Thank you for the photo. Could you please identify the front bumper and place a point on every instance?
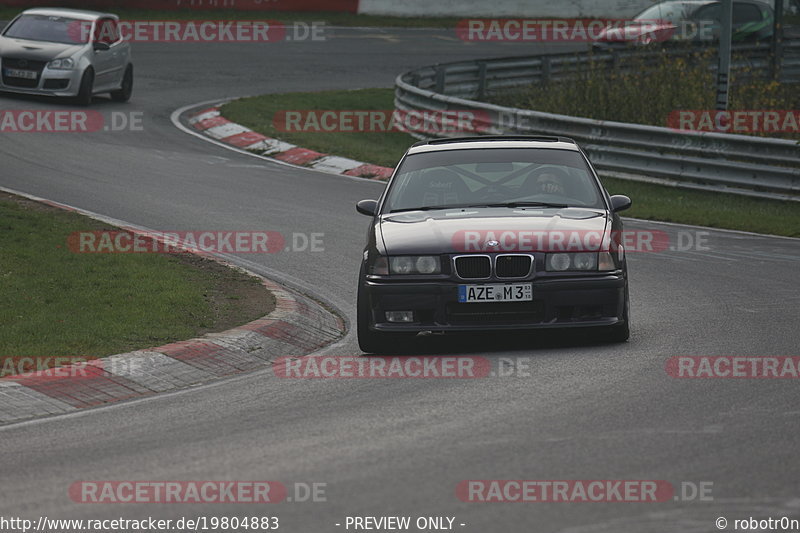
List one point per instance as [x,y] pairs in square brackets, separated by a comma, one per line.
[51,82]
[583,301]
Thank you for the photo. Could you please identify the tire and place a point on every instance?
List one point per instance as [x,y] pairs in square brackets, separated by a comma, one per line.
[370,341]
[620,332]
[126,89]
[84,97]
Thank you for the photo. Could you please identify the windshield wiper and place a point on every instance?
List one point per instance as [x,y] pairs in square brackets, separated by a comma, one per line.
[522,204]
[430,208]
[464,206]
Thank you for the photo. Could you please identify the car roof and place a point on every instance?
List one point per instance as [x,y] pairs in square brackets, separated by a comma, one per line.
[699,3]
[82,14]
[687,2]
[483,142]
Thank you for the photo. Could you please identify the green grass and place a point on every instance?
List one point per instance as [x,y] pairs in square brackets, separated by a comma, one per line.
[383,149]
[650,201]
[59,303]
[330,18]
[715,210]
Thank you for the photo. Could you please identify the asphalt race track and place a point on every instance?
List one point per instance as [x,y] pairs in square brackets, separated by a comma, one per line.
[400,447]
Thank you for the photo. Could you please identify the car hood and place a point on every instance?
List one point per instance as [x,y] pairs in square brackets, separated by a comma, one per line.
[468,230]
[35,50]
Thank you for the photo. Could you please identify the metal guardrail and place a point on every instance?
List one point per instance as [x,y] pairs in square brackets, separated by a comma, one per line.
[755,166]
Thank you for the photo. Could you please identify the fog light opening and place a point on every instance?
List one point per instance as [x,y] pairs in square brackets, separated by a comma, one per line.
[400,316]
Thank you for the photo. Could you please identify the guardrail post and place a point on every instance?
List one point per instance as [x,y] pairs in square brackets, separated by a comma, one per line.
[440,74]
[724,71]
[777,38]
[546,69]
[481,80]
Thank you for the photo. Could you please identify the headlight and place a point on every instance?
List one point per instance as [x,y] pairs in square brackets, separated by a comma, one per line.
[558,262]
[427,264]
[61,64]
[413,264]
[583,262]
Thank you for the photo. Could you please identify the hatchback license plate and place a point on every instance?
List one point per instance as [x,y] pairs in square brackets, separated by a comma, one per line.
[519,292]
[17,73]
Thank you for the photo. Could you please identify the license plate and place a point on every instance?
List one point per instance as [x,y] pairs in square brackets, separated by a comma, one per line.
[17,73]
[519,292]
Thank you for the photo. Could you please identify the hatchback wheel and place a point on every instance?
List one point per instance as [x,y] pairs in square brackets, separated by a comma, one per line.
[126,89]
[84,97]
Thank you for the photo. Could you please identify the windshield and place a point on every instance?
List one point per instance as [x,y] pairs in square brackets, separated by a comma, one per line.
[493,177]
[673,12]
[48,29]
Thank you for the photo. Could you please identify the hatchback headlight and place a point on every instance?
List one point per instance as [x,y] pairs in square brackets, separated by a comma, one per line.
[415,264]
[66,63]
[579,262]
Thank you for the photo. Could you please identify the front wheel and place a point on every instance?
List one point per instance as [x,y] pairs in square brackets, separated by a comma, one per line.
[621,332]
[126,89]
[86,89]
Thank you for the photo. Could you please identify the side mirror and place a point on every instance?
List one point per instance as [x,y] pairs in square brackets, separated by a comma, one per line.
[367,207]
[100,46]
[620,203]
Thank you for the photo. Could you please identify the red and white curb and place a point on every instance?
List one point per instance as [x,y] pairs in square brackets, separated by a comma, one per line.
[212,124]
[297,326]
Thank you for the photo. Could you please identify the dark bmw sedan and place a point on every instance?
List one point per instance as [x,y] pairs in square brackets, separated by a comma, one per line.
[492,233]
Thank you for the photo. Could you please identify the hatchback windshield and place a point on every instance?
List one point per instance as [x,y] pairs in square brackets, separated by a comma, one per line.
[493,177]
[48,29]
[672,12]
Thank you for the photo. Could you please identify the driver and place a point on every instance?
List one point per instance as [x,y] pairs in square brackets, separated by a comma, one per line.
[550,184]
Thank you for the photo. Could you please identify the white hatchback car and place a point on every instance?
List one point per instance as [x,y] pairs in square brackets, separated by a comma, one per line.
[66,52]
